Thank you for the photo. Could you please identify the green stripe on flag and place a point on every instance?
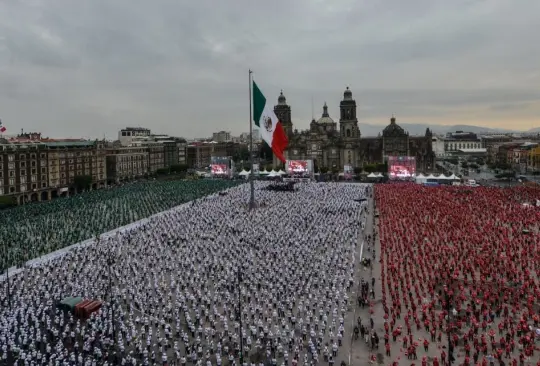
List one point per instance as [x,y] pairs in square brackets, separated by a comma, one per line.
[259,101]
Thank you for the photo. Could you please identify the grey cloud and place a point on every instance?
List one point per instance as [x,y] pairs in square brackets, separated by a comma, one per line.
[181,66]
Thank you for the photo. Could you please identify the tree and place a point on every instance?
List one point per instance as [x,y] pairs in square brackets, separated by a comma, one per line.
[265,152]
[382,167]
[241,154]
[323,170]
[357,170]
[82,182]
[7,201]
[179,168]
[162,171]
[370,168]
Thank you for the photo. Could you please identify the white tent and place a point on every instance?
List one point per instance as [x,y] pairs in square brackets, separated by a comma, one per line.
[442,176]
[431,176]
[371,175]
[420,178]
[273,174]
[244,173]
[379,175]
[281,172]
[264,172]
[453,176]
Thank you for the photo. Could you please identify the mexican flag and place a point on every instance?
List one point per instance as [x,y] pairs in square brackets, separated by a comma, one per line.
[270,127]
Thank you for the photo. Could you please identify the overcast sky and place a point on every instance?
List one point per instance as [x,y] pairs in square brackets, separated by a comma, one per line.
[90,67]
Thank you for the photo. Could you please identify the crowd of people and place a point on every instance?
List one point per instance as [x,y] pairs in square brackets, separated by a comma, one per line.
[459,273]
[37,229]
[173,286]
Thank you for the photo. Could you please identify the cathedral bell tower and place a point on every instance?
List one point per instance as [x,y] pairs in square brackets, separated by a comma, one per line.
[283,112]
[348,123]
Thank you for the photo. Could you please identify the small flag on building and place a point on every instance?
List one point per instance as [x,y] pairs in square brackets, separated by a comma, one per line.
[2,128]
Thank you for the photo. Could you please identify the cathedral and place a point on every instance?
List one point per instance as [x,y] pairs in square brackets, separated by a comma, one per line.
[333,145]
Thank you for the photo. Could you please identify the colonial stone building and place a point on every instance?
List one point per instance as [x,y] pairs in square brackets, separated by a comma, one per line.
[332,145]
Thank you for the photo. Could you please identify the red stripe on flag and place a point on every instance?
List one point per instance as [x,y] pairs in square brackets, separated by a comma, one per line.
[279,142]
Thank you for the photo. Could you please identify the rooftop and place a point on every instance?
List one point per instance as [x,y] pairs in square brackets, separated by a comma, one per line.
[68,143]
[472,151]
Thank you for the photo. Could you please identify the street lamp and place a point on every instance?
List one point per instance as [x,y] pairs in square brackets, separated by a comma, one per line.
[8,287]
[240,316]
[110,263]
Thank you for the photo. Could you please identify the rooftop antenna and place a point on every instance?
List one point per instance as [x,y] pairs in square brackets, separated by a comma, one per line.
[312,109]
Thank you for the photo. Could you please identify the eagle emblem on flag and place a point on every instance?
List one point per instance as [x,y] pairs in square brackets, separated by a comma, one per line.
[267,122]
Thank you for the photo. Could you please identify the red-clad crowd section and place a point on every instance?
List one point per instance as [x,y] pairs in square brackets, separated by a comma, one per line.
[470,253]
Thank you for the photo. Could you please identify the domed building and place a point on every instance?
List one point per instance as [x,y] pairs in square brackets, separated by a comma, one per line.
[333,146]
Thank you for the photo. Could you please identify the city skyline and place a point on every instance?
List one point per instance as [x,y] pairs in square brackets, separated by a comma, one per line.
[93,67]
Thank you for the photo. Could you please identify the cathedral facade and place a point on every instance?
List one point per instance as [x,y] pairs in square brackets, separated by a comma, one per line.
[333,144]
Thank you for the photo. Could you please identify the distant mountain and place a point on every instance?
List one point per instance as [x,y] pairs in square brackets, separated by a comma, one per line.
[419,129]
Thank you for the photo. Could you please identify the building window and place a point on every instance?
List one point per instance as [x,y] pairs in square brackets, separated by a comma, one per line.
[11,189]
[34,186]
[32,156]
[43,185]
[12,173]
[348,133]
[22,156]
[23,179]
[34,178]
[22,165]
[11,165]
[11,157]
[43,156]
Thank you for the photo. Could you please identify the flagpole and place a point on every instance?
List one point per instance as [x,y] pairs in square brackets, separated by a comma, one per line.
[251,175]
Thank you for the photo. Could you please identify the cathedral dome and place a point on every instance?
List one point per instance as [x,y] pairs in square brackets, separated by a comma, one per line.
[393,129]
[325,118]
[347,95]
[281,99]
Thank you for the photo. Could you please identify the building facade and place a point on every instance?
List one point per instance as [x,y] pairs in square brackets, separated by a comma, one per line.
[128,134]
[36,169]
[69,159]
[181,147]
[534,159]
[199,154]
[334,144]
[221,136]
[127,162]
[156,158]
[462,141]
